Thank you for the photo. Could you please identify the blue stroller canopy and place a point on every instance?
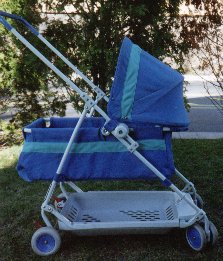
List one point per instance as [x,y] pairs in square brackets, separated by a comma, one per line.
[146,90]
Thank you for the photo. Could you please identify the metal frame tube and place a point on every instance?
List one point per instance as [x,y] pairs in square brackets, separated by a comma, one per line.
[52,48]
[73,136]
[180,175]
[189,186]
[74,187]
[163,178]
[59,170]
[47,62]
[74,68]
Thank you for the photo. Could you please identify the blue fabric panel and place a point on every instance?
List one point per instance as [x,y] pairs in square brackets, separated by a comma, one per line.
[158,96]
[81,166]
[39,123]
[119,81]
[52,135]
[95,122]
[93,166]
[164,105]
[130,82]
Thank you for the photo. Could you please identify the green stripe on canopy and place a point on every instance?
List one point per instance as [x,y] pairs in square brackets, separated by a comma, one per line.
[130,82]
[90,147]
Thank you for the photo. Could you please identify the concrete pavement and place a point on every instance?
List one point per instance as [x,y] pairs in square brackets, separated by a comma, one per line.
[206,121]
[198,135]
[204,116]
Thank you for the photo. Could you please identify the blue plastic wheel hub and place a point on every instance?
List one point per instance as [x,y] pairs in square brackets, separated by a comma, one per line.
[194,237]
[45,243]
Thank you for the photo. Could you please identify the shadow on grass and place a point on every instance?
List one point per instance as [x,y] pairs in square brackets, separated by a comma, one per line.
[200,161]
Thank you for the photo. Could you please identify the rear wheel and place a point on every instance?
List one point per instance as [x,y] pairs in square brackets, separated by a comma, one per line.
[213,233]
[196,237]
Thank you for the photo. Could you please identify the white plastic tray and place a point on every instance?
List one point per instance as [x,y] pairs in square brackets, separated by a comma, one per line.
[119,212]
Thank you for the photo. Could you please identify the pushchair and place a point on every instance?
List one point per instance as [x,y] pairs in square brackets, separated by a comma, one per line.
[132,141]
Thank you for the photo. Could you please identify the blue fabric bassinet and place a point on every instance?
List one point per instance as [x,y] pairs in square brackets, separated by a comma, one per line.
[93,156]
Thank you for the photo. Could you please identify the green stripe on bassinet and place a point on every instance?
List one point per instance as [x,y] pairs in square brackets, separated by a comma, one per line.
[130,82]
[90,147]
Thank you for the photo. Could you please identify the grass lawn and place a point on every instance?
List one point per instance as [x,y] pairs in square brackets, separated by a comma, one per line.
[199,160]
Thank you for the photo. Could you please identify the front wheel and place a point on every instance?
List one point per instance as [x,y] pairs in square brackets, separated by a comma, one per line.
[196,237]
[45,241]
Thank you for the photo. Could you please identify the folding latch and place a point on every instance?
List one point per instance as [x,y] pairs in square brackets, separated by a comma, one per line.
[108,127]
[89,102]
[133,146]
[121,131]
[99,92]
[105,132]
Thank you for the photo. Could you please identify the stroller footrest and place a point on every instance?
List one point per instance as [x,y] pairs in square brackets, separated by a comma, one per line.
[143,210]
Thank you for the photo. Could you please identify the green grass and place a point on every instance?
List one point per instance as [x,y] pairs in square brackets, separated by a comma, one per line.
[200,161]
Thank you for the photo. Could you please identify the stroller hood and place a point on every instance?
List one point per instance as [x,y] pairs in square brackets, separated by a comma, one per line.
[146,90]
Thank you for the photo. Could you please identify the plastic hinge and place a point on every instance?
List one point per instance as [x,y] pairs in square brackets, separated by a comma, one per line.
[133,146]
[89,102]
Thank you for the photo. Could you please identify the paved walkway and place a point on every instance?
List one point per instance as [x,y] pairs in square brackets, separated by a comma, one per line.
[204,116]
[206,122]
[198,135]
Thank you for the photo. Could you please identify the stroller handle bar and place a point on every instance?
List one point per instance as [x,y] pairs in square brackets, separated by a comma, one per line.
[95,88]
[18,18]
